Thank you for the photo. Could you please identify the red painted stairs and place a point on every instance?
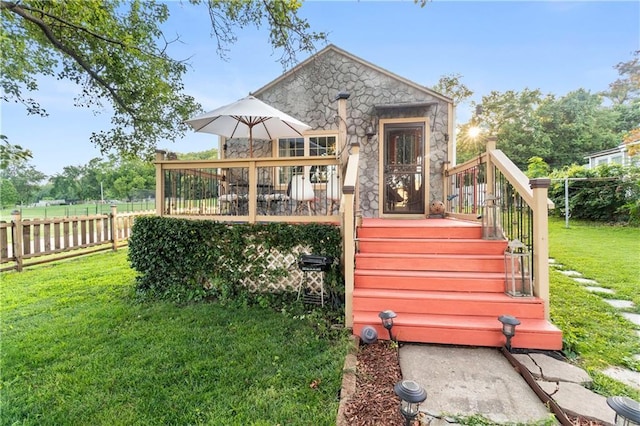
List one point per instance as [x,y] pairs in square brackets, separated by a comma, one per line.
[445,284]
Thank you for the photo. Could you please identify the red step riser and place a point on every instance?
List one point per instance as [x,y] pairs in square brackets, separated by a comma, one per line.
[435,263]
[430,284]
[436,306]
[449,336]
[432,247]
[418,232]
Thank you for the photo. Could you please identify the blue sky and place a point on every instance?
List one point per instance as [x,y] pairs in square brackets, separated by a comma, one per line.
[507,45]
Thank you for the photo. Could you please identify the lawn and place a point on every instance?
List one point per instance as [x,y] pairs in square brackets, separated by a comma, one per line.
[76,210]
[77,348]
[595,332]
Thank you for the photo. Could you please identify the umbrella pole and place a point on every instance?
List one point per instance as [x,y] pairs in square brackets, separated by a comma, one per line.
[250,141]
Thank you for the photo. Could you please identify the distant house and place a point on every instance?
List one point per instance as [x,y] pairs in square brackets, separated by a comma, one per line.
[617,155]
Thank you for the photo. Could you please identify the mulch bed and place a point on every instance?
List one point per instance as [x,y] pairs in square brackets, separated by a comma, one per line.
[374,402]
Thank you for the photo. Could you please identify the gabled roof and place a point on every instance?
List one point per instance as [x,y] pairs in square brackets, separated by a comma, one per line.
[333,48]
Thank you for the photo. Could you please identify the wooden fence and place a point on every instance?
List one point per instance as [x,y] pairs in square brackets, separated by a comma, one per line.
[28,242]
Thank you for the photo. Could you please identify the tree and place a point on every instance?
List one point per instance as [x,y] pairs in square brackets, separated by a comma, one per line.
[537,168]
[577,124]
[117,53]
[451,85]
[8,194]
[25,179]
[627,87]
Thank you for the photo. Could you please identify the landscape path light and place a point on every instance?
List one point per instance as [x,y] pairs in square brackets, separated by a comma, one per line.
[387,320]
[509,324]
[627,410]
[411,395]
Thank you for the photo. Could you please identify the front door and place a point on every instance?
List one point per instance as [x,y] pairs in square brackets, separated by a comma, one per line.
[403,174]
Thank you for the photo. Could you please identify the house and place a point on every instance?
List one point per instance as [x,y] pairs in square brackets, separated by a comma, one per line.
[618,155]
[379,161]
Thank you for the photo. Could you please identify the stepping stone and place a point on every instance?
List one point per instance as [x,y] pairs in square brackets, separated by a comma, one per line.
[575,399]
[550,369]
[620,304]
[552,260]
[600,290]
[558,265]
[571,273]
[634,318]
[628,377]
[585,281]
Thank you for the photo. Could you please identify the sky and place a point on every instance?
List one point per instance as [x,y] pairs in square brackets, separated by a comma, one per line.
[553,46]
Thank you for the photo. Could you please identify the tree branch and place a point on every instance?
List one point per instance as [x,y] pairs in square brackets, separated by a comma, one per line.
[19,10]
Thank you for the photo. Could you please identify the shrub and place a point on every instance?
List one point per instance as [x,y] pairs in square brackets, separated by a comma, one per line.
[608,193]
[188,260]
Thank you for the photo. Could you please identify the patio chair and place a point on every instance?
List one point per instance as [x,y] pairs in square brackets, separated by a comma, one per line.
[302,193]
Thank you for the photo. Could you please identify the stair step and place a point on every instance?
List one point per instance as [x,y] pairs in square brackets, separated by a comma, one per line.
[485,282]
[463,330]
[430,262]
[446,303]
[431,245]
[429,228]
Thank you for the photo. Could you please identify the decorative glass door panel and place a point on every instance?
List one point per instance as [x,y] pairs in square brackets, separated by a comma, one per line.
[403,167]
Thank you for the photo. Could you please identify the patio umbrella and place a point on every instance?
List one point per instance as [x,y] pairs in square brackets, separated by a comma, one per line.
[248,117]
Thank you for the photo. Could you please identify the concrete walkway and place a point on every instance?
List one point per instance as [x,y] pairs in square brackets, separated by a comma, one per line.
[468,381]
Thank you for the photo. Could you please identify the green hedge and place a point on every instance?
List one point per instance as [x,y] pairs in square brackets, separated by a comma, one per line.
[193,259]
[607,193]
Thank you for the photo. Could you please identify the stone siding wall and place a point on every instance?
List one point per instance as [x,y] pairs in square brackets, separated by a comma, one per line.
[309,95]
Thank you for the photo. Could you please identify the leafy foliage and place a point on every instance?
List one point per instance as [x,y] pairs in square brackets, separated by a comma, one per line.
[8,194]
[117,54]
[608,193]
[114,178]
[10,153]
[627,86]
[189,260]
[451,85]
[109,49]
[537,168]
[24,177]
[560,130]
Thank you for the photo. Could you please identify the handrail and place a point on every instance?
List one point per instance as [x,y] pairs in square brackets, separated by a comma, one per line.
[513,174]
[523,205]
[348,212]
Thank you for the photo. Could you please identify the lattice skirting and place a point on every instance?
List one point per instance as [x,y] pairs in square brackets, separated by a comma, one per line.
[282,273]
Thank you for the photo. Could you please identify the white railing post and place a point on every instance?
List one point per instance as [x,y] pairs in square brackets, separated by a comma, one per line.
[540,188]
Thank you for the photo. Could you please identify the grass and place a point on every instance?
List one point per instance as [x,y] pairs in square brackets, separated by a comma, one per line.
[75,210]
[594,331]
[78,349]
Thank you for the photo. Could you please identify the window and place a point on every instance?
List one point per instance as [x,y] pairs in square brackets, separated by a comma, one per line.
[313,146]
[616,159]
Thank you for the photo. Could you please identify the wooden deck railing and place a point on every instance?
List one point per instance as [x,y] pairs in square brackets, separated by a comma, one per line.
[293,189]
[522,202]
[28,242]
[350,218]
